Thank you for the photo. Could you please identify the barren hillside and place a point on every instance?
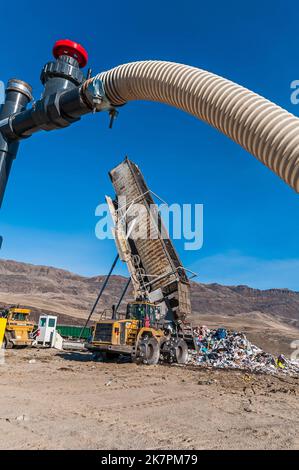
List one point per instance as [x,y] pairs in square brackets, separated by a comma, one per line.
[269,316]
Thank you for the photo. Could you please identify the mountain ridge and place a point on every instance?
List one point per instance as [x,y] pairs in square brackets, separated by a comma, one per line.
[56,284]
[270,318]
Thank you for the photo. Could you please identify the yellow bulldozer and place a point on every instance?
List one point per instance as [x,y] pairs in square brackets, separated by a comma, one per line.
[18,330]
[140,335]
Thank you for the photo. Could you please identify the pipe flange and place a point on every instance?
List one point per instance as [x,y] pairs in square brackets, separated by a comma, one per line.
[22,87]
[65,67]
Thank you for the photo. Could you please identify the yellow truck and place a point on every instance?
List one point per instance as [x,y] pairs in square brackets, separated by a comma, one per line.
[18,328]
[140,335]
[2,330]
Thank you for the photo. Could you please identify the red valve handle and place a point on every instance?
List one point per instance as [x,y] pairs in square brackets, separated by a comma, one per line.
[72,49]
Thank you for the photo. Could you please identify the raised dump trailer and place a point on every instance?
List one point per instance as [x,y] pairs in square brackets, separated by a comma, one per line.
[155,326]
[156,270]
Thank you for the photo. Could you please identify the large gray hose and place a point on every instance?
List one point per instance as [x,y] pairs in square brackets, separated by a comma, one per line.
[267,131]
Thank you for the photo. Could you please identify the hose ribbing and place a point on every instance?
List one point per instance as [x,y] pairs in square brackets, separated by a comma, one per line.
[264,129]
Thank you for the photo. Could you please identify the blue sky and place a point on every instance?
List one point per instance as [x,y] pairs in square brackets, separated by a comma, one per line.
[251,218]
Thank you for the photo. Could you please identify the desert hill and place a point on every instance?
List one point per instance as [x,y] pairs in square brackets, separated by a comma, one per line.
[269,316]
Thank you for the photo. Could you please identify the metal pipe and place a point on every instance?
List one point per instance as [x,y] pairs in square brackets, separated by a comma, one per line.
[17,96]
[62,102]
[121,298]
[99,295]
[267,131]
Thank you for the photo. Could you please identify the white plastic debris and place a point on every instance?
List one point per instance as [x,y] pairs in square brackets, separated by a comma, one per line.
[22,418]
[232,350]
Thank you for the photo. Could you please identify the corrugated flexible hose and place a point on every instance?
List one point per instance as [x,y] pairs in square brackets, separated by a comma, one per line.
[264,129]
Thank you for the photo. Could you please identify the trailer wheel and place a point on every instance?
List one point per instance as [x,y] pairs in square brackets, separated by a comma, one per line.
[181,352]
[7,344]
[149,351]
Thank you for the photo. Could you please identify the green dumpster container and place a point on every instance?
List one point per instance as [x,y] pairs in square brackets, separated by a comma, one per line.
[73,331]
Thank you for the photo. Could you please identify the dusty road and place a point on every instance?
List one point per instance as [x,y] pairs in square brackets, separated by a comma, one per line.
[66,401]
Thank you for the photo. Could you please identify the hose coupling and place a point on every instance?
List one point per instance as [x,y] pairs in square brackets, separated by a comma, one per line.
[93,94]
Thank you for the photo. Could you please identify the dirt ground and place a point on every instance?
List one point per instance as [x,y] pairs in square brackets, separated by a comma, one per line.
[59,400]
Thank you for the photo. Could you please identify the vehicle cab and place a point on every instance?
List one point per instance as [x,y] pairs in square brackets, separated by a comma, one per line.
[146,313]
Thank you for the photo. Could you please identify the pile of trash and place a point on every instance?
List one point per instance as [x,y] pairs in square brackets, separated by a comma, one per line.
[225,349]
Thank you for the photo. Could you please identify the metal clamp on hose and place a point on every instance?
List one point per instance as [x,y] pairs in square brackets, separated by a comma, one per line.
[93,94]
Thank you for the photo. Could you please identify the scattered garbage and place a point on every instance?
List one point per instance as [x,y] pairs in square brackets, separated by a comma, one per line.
[225,349]
[22,418]
[248,409]
[206,382]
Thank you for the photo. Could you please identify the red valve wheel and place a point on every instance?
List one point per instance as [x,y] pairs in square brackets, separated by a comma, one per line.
[72,49]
